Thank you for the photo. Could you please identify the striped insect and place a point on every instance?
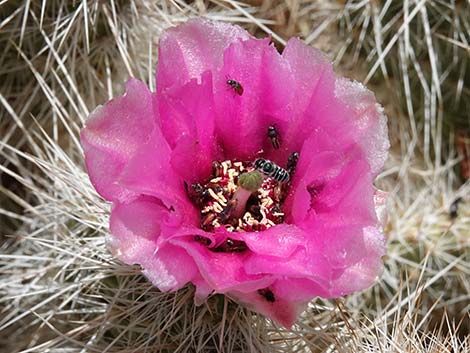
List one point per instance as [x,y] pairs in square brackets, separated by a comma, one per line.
[272,170]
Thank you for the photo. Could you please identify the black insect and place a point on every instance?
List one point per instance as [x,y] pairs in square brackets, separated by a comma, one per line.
[197,193]
[272,170]
[454,207]
[267,294]
[231,245]
[273,135]
[237,87]
[292,162]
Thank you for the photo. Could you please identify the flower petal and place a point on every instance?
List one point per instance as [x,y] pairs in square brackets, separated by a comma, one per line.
[309,68]
[187,119]
[368,119]
[365,272]
[170,268]
[223,271]
[343,246]
[135,227]
[340,107]
[140,217]
[243,119]
[331,185]
[150,173]
[188,50]
[349,194]
[298,289]
[279,241]
[113,134]
[306,262]
[308,181]
[314,80]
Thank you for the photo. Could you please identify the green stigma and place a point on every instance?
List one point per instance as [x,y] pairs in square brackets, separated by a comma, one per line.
[250,181]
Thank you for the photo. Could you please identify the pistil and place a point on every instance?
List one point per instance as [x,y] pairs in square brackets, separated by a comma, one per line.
[248,184]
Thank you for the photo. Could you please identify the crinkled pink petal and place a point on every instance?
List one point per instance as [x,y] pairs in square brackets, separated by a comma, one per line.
[306,262]
[323,112]
[112,136]
[363,273]
[150,173]
[187,117]
[279,241]
[223,271]
[350,194]
[314,78]
[309,182]
[331,185]
[321,153]
[170,268]
[188,50]
[135,227]
[340,107]
[242,120]
[189,233]
[370,122]
[309,67]
[298,289]
[142,216]
[343,246]
[338,209]
[126,245]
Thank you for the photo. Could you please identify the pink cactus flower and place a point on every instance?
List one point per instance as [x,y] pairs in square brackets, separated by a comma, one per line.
[189,203]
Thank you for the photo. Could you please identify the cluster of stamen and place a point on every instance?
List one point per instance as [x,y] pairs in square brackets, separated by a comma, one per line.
[215,200]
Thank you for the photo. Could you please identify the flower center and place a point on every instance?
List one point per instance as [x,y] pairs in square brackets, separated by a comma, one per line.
[223,201]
